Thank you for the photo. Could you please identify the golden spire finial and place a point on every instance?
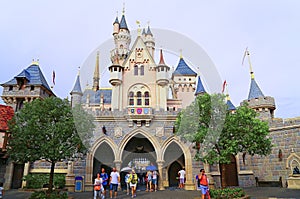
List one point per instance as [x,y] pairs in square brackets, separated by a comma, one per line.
[139,27]
[35,62]
[180,53]
[227,93]
[78,70]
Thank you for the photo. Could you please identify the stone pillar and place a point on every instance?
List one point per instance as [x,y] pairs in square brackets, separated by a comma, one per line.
[89,173]
[189,185]
[160,172]
[70,177]
[8,175]
[25,173]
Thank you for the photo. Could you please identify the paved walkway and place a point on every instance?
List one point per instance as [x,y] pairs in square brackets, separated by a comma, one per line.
[254,192]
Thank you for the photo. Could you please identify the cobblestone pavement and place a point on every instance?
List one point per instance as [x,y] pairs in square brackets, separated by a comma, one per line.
[254,192]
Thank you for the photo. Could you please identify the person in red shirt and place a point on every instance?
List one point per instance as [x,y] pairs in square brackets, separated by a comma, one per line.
[203,183]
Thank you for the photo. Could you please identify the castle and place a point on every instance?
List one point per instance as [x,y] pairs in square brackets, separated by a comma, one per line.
[135,118]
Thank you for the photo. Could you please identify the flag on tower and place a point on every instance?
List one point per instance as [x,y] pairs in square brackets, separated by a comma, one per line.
[245,53]
[223,88]
[53,77]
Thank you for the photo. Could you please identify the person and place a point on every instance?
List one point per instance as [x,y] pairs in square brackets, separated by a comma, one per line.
[149,181]
[203,183]
[98,187]
[104,177]
[181,174]
[133,179]
[127,182]
[114,181]
[154,179]
[1,190]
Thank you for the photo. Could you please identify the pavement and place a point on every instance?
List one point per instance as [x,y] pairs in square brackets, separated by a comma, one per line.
[254,192]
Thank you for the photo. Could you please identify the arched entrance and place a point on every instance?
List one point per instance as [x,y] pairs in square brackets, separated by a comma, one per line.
[103,158]
[138,153]
[174,162]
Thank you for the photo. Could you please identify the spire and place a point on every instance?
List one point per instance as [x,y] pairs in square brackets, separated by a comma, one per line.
[96,77]
[149,31]
[144,32]
[77,86]
[161,60]
[123,24]
[183,69]
[200,88]
[116,20]
[230,105]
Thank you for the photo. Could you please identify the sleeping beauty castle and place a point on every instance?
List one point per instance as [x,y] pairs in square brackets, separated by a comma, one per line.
[135,118]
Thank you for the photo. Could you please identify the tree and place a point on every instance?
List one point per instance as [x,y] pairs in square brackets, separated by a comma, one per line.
[222,133]
[50,130]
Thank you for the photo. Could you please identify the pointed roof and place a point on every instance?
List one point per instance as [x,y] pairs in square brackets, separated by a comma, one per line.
[116,20]
[183,69]
[200,88]
[123,24]
[149,31]
[96,77]
[255,91]
[161,60]
[34,76]
[144,32]
[230,105]
[77,86]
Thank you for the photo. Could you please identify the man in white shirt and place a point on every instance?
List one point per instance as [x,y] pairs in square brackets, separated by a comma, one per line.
[181,174]
[114,181]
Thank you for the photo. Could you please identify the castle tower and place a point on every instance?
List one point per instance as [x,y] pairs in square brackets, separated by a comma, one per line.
[200,88]
[76,93]
[184,82]
[116,73]
[30,84]
[96,76]
[162,80]
[149,40]
[264,105]
[122,39]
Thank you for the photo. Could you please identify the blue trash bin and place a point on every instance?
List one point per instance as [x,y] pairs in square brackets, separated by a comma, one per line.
[78,184]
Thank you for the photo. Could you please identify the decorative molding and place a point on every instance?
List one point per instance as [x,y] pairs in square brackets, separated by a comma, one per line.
[118,132]
[160,131]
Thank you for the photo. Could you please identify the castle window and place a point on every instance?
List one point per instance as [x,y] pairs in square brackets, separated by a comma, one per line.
[184,79]
[131,99]
[162,68]
[147,102]
[139,98]
[115,69]
[179,79]
[10,88]
[190,79]
[31,88]
[135,70]
[142,70]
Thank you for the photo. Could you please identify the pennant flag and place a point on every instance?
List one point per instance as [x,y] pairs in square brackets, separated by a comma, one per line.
[223,88]
[245,53]
[53,77]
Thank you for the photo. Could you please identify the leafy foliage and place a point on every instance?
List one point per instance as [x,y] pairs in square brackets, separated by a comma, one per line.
[46,129]
[53,195]
[227,193]
[36,181]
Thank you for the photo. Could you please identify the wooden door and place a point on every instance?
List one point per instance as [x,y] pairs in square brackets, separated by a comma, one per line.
[17,176]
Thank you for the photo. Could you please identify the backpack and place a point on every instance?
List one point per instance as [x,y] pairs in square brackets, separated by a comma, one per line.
[133,178]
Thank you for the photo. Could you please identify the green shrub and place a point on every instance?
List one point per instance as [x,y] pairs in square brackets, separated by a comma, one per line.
[227,193]
[36,181]
[53,195]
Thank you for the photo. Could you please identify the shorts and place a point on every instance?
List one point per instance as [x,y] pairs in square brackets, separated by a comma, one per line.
[181,180]
[154,181]
[113,187]
[204,189]
[133,185]
[105,186]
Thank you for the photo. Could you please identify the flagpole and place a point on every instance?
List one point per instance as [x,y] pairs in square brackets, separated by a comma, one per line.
[250,65]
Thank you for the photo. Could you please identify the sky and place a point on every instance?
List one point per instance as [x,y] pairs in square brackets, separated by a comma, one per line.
[63,34]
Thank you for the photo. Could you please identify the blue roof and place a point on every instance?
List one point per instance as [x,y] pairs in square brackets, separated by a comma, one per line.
[231,107]
[183,69]
[77,86]
[96,95]
[144,32]
[117,20]
[200,88]
[149,31]
[255,91]
[34,76]
[123,24]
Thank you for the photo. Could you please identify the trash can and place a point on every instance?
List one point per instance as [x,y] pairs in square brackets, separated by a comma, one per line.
[78,184]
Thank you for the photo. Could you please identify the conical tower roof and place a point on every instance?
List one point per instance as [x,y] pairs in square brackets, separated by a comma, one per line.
[200,88]
[77,86]
[123,24]
[255,91]
[183,69]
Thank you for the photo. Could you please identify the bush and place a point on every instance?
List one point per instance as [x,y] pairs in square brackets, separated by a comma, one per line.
[227,193]
[53,195]
[36,181]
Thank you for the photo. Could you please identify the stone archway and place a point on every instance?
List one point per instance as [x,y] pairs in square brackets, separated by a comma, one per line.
[173,150]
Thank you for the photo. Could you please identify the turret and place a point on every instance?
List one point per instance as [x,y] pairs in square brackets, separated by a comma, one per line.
[200,88]
[96,76]
[116,25]
[149,41]
[76,93]
[264,105]
[162,72]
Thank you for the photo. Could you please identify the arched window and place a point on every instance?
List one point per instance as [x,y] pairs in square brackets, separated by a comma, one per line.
[142,70]
[135,70]
[147,98]
[131,98]
[139,98]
